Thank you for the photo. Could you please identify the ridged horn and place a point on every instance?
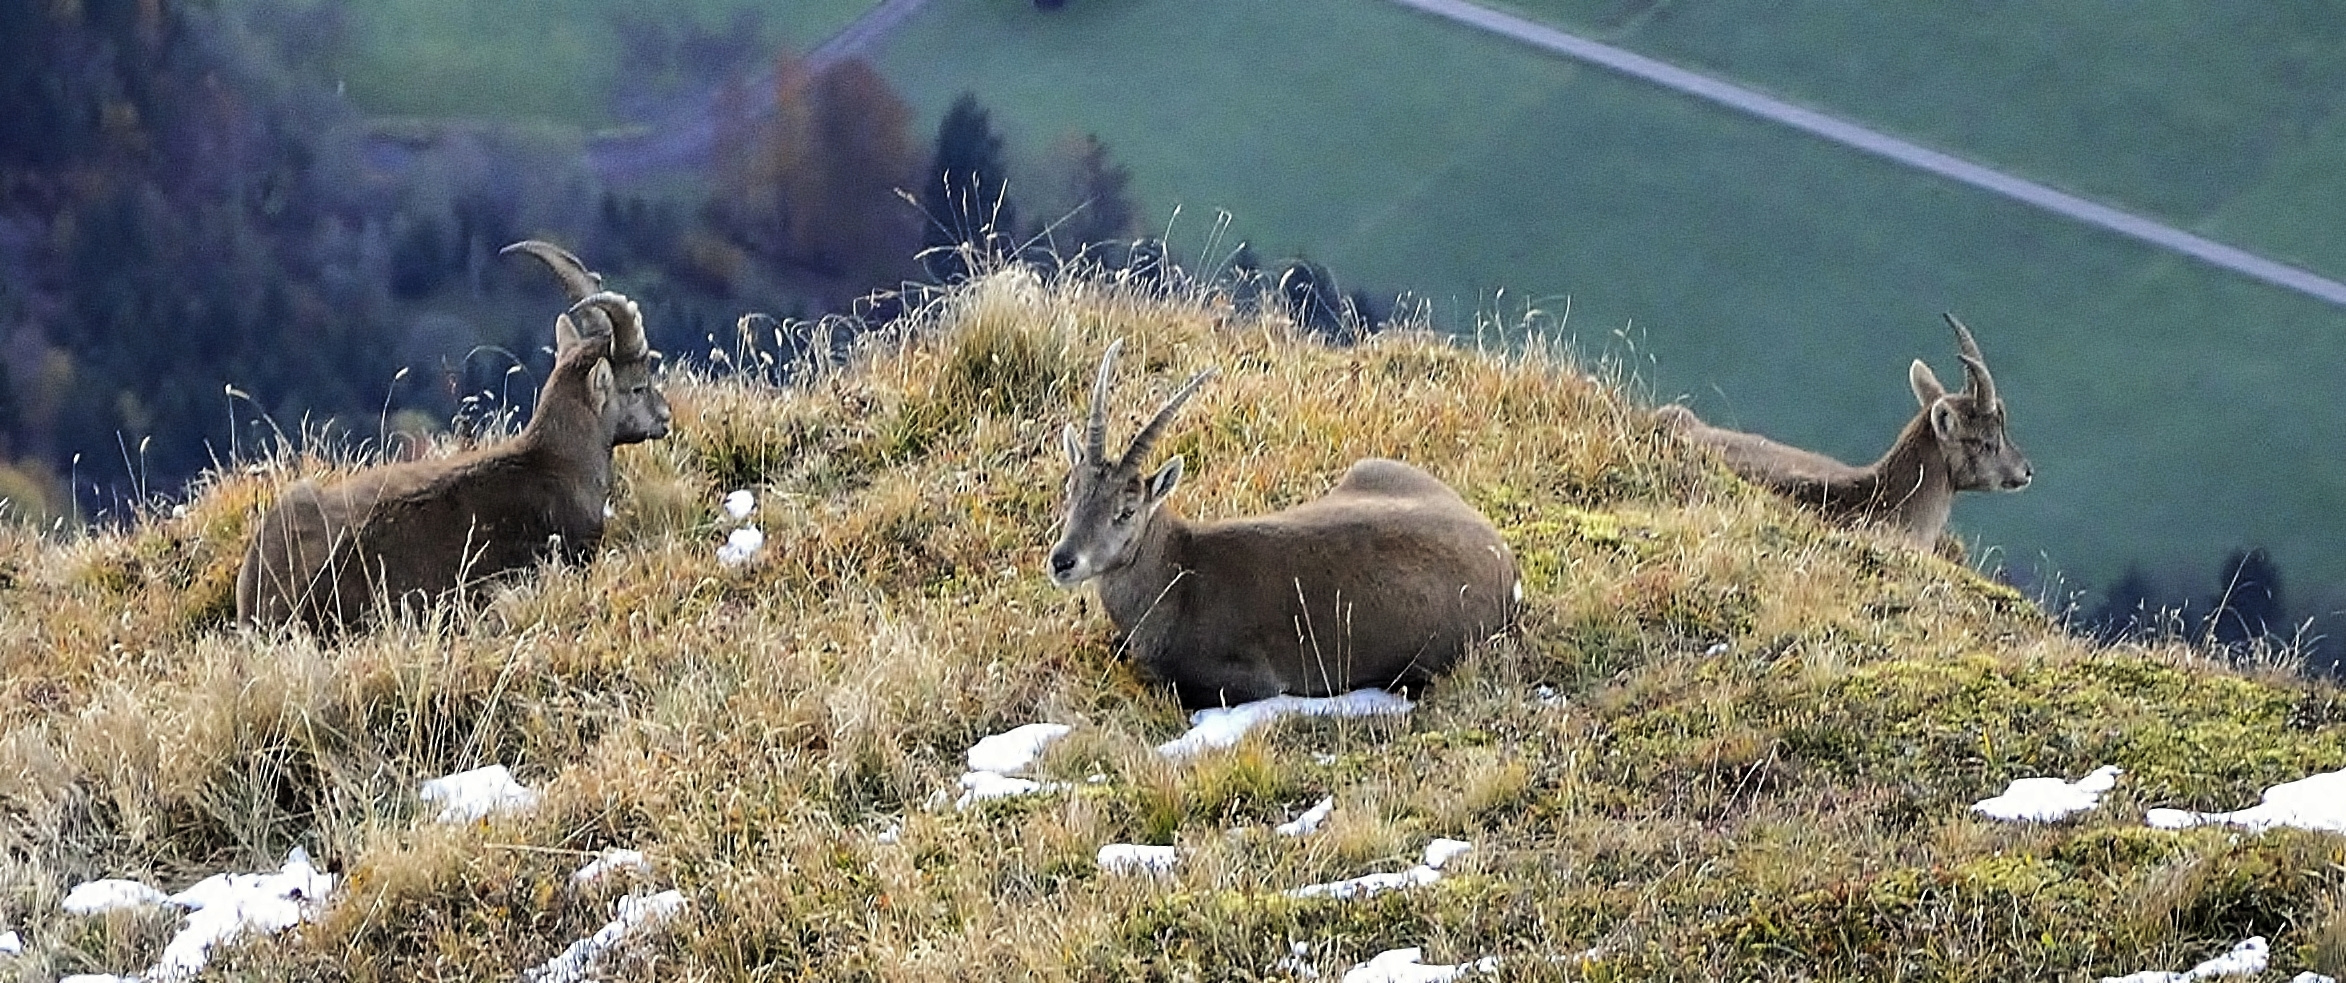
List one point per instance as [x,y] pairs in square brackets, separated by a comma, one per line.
[577,280]
[1975,365]
[1095,434]
[1147,438]
[615,309]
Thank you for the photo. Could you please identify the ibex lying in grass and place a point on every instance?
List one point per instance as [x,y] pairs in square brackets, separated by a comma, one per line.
[326,555]
[1383,581]
[1955,444]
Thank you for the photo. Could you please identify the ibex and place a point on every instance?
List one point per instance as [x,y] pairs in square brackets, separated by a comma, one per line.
[1383,581]
[1956,443]
[327,554]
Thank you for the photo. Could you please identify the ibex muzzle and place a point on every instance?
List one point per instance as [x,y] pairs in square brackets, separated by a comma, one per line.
[1384,581]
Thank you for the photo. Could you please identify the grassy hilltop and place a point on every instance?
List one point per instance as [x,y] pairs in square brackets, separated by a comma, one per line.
[1767,734]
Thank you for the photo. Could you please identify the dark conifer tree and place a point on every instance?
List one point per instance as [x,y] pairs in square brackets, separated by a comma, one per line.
[966,191]
[2248,599]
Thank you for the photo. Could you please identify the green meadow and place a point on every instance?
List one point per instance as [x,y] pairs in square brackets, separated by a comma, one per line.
[2174,412]
[544,60]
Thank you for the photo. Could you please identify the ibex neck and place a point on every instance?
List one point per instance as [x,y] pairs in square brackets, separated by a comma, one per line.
[1910,486]
[1135,592]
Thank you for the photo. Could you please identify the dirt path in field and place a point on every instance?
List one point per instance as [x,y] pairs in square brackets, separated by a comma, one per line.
[1881,144]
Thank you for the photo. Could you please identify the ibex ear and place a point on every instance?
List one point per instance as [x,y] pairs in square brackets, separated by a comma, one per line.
[1165,480]
[1071,440]
[1944,422]
[600,384]
[1926,385]
[565,332]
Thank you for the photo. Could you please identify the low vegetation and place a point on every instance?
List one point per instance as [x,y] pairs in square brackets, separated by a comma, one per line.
[1728,741]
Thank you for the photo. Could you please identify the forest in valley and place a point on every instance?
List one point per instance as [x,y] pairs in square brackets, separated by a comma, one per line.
[206,252]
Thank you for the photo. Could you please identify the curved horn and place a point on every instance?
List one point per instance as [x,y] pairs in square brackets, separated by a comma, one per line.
[577,280]
[1095,435]
[626,321]
[1975,365]
[1147,437]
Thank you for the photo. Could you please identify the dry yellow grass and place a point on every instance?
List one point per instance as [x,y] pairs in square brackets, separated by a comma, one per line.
[1767,732]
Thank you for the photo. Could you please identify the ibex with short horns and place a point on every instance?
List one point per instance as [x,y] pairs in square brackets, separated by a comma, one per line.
[1383,581]
[325,555]
[1955,444]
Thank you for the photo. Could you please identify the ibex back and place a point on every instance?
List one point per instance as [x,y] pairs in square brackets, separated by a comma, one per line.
[1956,443]
[1384,581]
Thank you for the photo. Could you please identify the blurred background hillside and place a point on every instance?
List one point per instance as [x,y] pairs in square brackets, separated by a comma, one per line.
[220,219]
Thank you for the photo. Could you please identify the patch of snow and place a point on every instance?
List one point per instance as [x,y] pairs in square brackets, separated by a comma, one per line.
[740,502]
[980,786]
[2312,977]
[10,944]
[1369,885]
[469,795]
[2044,800]
[608,511]
[2246,959]
[92,897]
[1216,727]
[1443,849]
[741,546]
[1405,966]
[1310,820]
[98,978]
[1437,853]
[179,511]
[609,862]
[1011,751]
[1297,962]
[2316,803]
[636,913]
[889,836]
[1129,858]
[1717,649]
[1547,695]
[228,905]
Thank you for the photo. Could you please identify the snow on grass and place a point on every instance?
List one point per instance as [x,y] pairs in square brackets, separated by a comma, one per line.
[1407,966]
[1216,727]
[1310,820]
[607,863]
[470,795]
[98,978]
[2044,800]
[739,503]
[1129,858]
[1011,751]
[994,758]
[583,957]
[228,905]
[11,944]
[1437,853]
[741,546]
[2316,803]
[92,897]
[2246,959]
[2310,976]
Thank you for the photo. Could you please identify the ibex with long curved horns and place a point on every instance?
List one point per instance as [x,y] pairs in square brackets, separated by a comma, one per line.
[325,555]
[1383,581]
[1957,443]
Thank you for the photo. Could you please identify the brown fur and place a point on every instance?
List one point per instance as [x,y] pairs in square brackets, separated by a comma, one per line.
[1383,581]
[1955,443]
[327,555]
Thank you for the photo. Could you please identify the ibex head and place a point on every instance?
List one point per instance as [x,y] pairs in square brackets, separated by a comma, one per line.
[1970,424]
[638,410]
[1109,503]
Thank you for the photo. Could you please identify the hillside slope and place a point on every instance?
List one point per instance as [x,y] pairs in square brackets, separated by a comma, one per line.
[1751,758]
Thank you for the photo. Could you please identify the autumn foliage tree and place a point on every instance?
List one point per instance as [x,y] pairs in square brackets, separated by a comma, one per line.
[816,186]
